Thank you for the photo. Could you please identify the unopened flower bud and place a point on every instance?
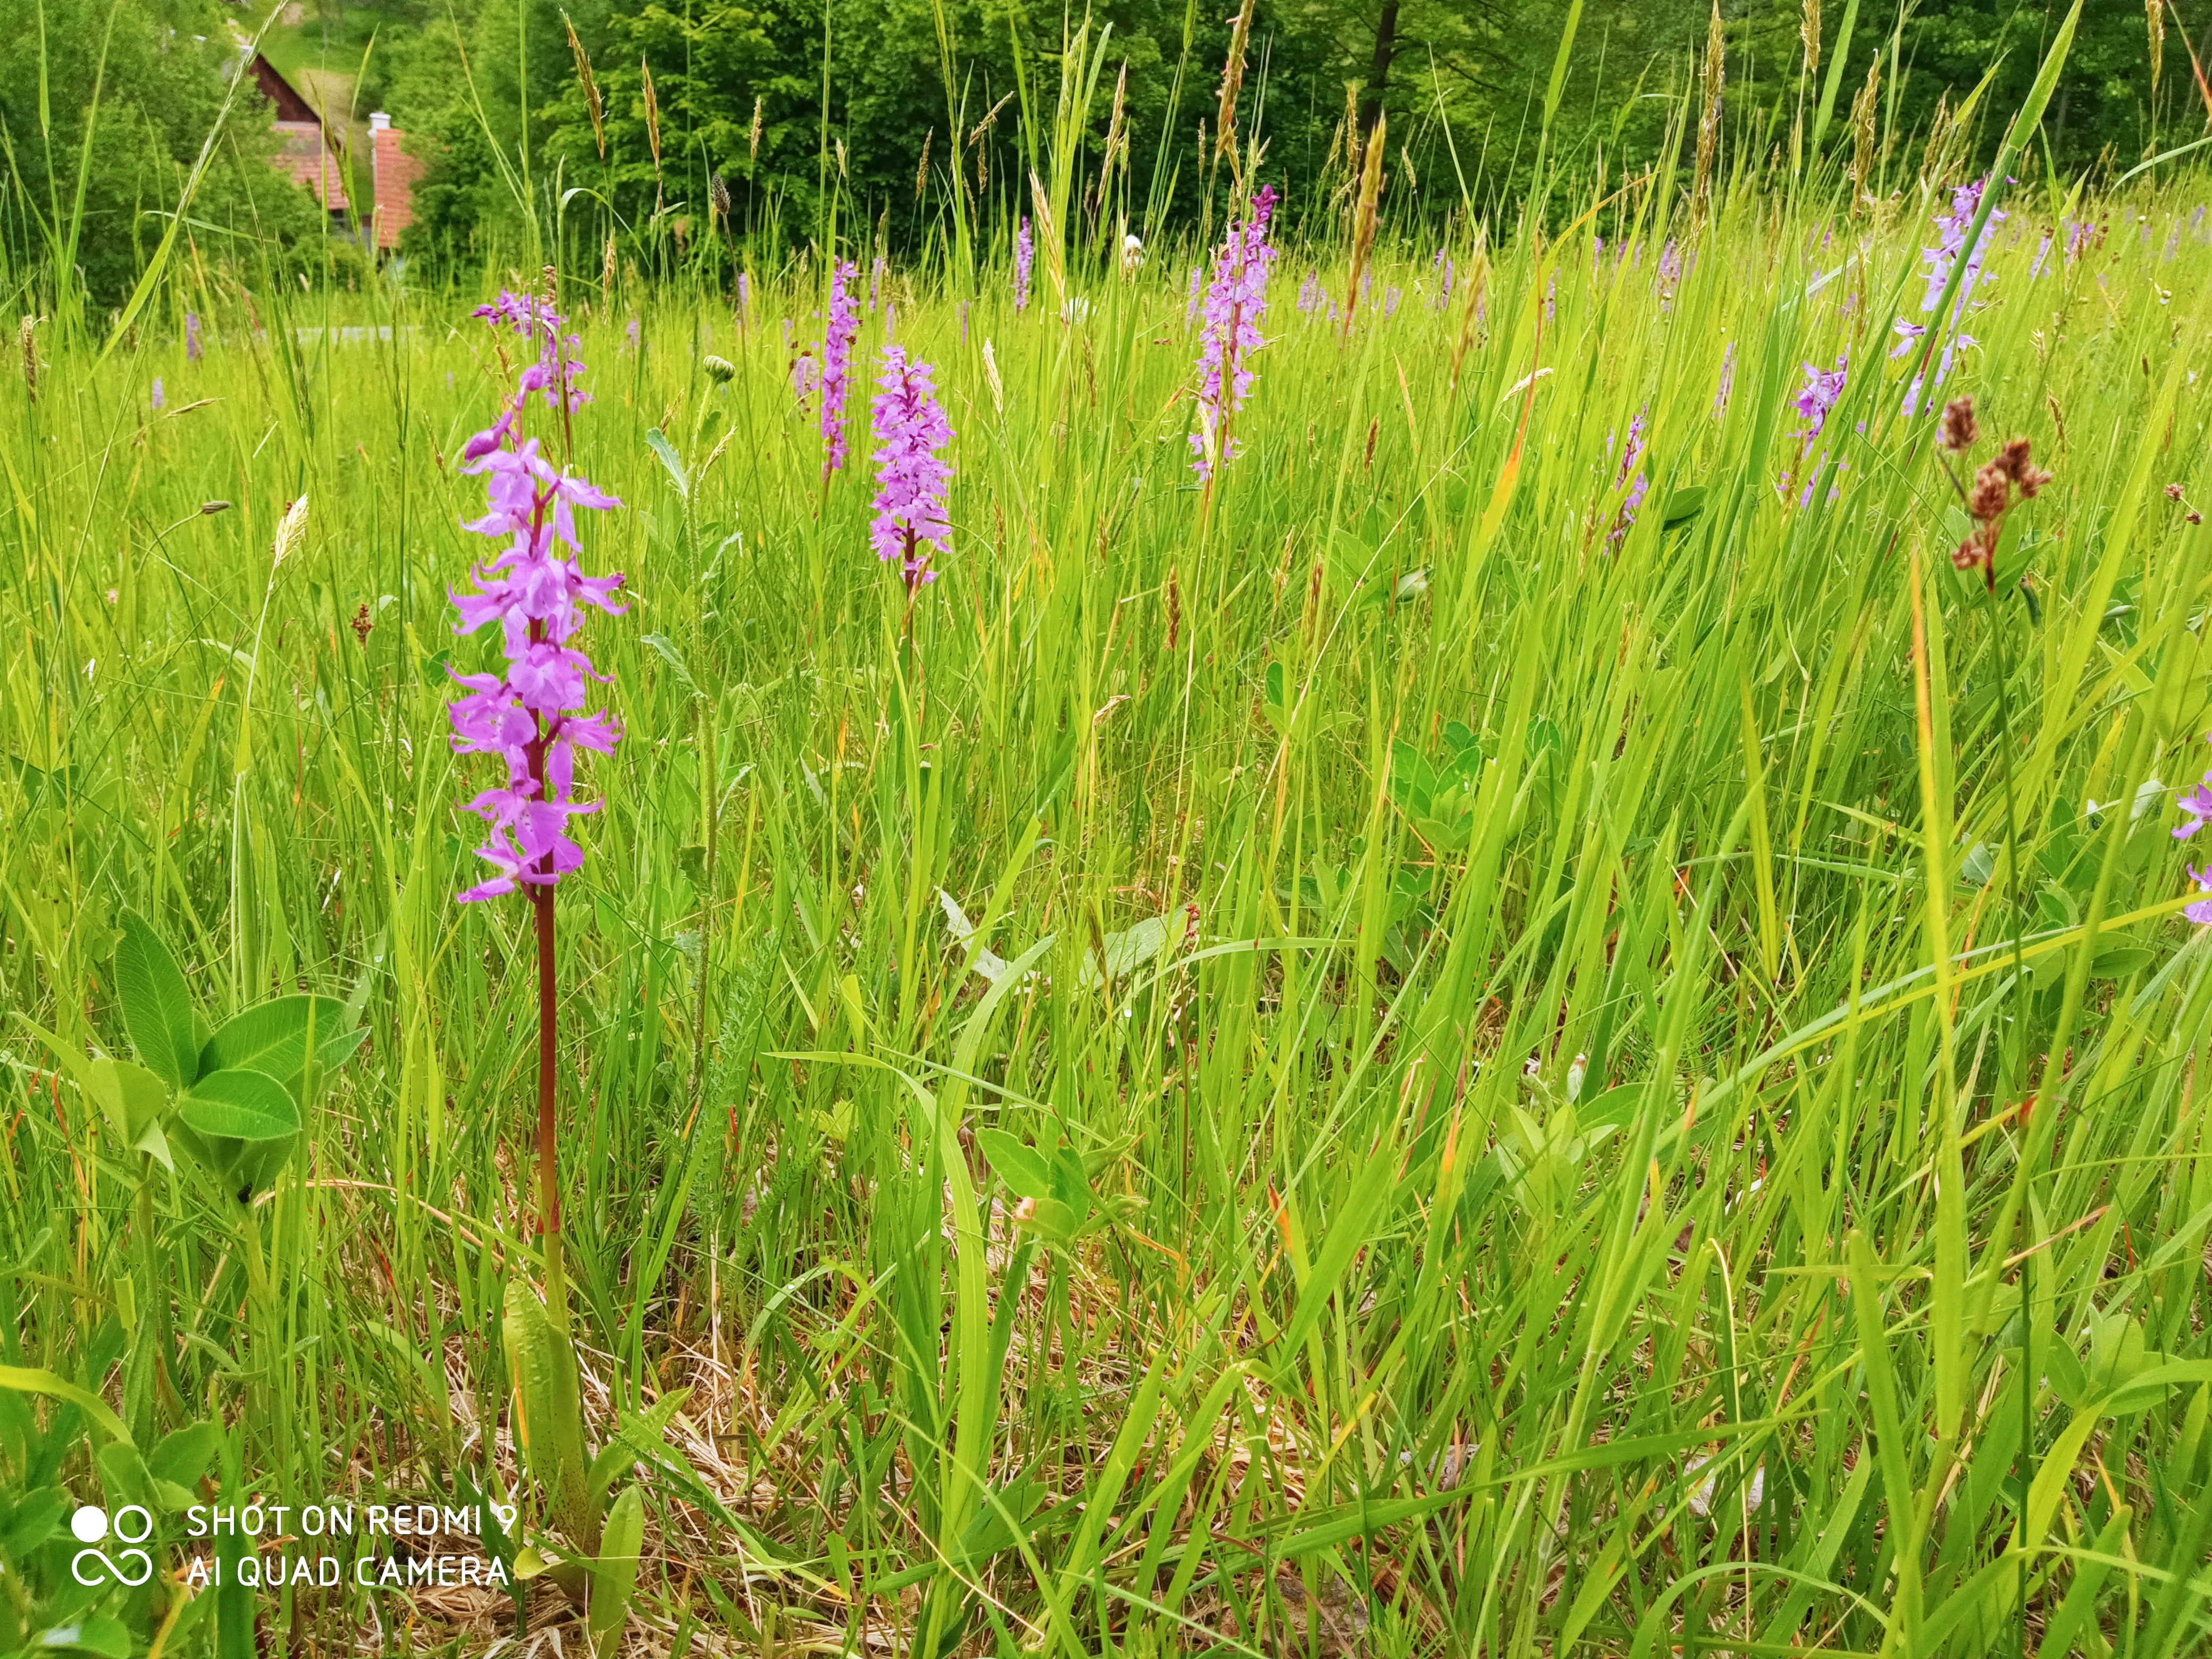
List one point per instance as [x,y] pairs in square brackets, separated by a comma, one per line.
[209,509]
[721,370]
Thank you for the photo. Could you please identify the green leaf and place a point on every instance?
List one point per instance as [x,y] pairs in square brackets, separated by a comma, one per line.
[1048,1216]
[2120,962]
[24,1379]
[30,1521]
[549,1417]
[131,1098]
[279,1037]
[664,647]
[1683,508]
[157,1008]
[183,1456]
[657,442]
[1001,1519]
[1023,1170]
[97,1634]
[236,1104]
[123,1472]
[615,1579]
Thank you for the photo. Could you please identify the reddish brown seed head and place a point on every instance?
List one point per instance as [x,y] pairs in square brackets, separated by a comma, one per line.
[1959,432]
[2018,465]
[1992,491]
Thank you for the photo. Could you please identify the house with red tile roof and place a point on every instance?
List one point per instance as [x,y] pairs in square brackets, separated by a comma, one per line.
[307,149]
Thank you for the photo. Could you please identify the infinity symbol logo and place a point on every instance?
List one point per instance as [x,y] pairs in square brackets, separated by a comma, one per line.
[145,1567]
[89,1525]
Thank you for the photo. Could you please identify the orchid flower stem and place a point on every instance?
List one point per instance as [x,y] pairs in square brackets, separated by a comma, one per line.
[548,1174]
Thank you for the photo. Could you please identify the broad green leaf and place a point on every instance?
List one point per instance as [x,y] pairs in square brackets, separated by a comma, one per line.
[130,1097]
[30,1521]
[236,1104]
[548,1415]
[183,1455]
[157,1008]
[278,1037]
[1683,506]
[1023,1170]
[615,1578]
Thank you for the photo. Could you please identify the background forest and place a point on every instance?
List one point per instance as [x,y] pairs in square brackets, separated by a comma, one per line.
[780,100]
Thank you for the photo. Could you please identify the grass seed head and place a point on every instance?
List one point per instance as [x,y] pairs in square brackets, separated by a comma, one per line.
[1232,82]
[1363,224]
[24,338]
[1715,77]
[1863,136]
[289,531]
[591,87]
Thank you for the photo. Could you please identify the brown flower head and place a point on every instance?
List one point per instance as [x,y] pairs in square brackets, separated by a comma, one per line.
[1958,433]
[1992,491]
[2018,466]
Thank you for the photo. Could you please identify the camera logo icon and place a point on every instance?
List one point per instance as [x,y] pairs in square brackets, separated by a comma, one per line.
[91,1525]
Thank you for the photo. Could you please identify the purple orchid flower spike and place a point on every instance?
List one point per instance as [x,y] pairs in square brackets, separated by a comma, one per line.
[1631,480]
[531,715]
[2196,804]
[910,425]
[836,378]
[1236,301]
[1821,390]
[1024,258]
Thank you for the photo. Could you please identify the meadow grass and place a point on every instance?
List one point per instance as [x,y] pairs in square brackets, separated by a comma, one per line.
[1383,1057]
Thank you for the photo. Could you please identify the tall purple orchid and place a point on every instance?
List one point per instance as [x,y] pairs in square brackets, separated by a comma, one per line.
[1951,231]
[1236,299]
[1024,261]
[1631,480]
[1821,389]
[836,378]
[531,716]
[2197,804]
[910,428]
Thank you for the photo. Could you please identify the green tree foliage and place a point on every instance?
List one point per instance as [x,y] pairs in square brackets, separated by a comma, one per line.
[103,109]
[850,93]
